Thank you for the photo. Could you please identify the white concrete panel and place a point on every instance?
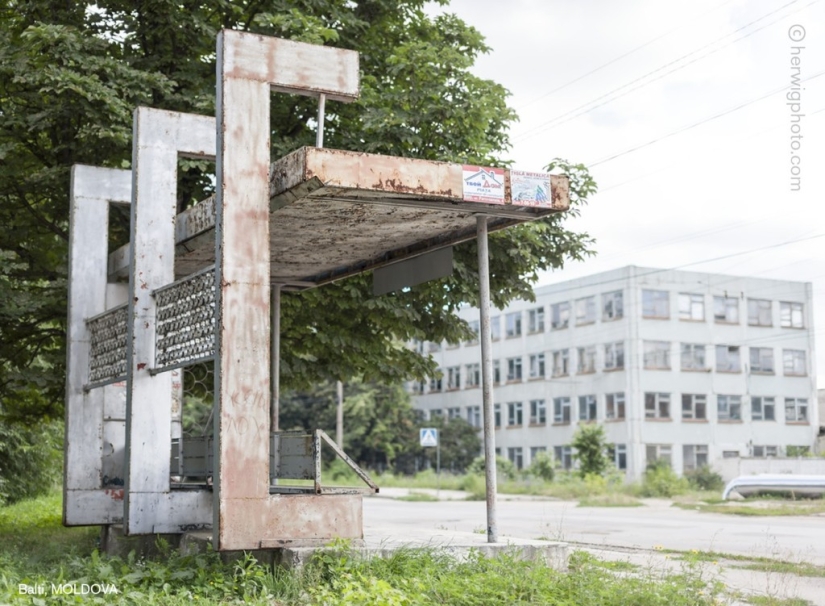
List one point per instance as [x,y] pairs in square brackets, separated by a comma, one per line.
[92,190]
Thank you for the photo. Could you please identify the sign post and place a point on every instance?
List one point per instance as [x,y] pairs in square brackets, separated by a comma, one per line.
[428,437]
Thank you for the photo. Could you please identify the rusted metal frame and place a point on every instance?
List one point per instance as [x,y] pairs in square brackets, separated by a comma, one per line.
[344,457]
[485,338]
[93,417]
[159,139]
[248,68]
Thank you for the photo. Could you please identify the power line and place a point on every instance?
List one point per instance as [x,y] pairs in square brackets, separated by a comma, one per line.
[620,57]
[557,121]
[701,122]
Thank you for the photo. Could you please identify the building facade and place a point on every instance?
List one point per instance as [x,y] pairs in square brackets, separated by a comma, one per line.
[684,366]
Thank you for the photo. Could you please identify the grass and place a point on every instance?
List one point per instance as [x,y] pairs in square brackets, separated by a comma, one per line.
[610,499]
[760,563]
[36,550]
[764,600]
[757,507]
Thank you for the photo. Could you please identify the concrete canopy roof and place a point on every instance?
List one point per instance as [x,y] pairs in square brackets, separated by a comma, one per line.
[337,213]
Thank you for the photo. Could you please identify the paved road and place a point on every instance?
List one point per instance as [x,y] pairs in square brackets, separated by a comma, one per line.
[656,524]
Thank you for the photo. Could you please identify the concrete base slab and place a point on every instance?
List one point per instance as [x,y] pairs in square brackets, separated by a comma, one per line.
[456,544]
[115,543]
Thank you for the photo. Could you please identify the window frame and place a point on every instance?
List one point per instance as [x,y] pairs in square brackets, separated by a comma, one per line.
[588,408]
[562,355]
[538,412]
[535,320]
[691,349]
[725,308]
[796,405]
[612,306]
[792,310]
[586,310]
[698,402]
[614,356]
[732,407]
[562,410]
[653,354]
[616,402]
[795,356]
[537,366]
[756,311]
[760,404]
[586,354]
[515,370]
[692,299]
[512,324]
[654,302]
[661,402]
[515,414]
[757,354]
[725,359]
[560,315]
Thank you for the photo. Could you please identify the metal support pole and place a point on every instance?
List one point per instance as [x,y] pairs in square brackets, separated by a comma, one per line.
[487,379]
[438,469]
[319,136]
[339,416]
[275,359]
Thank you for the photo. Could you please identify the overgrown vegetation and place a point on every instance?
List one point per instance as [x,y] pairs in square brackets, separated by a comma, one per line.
[31,460]
[36,550]
[590,444]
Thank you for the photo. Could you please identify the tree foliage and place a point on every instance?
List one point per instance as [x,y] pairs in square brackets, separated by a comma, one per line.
[73,72]
[590,443]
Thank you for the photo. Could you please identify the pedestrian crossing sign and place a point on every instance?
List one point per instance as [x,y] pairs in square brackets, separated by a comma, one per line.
[428,436]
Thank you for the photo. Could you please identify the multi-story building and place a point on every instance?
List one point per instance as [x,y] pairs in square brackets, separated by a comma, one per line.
[677,365]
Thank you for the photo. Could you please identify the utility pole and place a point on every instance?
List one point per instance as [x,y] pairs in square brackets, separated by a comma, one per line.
[339,416]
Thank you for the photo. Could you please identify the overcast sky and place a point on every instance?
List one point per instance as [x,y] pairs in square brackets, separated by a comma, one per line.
[680,109]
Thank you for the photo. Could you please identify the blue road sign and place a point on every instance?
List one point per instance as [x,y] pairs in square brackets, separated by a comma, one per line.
[428,436]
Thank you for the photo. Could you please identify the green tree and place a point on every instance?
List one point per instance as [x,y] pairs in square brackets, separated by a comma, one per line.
[72,73]
[590,444]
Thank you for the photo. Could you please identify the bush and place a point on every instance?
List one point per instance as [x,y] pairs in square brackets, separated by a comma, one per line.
[30,460]
[542,467]
[661,481]
[505,470]
[704,478]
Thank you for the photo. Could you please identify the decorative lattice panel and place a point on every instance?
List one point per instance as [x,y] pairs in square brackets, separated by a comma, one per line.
[185,321]
[107,355]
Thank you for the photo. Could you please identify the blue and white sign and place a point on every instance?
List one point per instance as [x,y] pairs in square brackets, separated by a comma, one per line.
[428,437]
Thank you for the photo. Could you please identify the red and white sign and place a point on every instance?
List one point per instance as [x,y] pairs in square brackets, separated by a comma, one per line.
[483,184]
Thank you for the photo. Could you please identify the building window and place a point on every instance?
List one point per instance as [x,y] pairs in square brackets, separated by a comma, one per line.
[537,366]
[497,371]
[418,387]
[763,451]
[561,410]
[726,310]
[727,358]
[793,362]
[657,405]
[513,369]
[538,412]
[797,451]
[512,324]
[563,456]
[560,315]
[436,413]
[474,416]
[433,347]
[435,384]
[796,410]
[614,356]
[474,327]
[658,452]
[587,359]
[763,408]
[585,310]
[587,408]
[454,378]
[614,406]
[561,363]
[729,408]
[759,312]
[618,454]
[515,414]
[693,357]
[694,406]
[694,456]
[473,375]
[495,328]
[516,457]
[790,315]
[612,306]
[497,415]
[454,413]
[761,360]
[730,454]
[657,355]
[691,307]
[655,304]
[535,450]
[535,320]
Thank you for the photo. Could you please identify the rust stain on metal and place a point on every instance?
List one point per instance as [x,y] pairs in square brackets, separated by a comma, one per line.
[116,494]
[141,365]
